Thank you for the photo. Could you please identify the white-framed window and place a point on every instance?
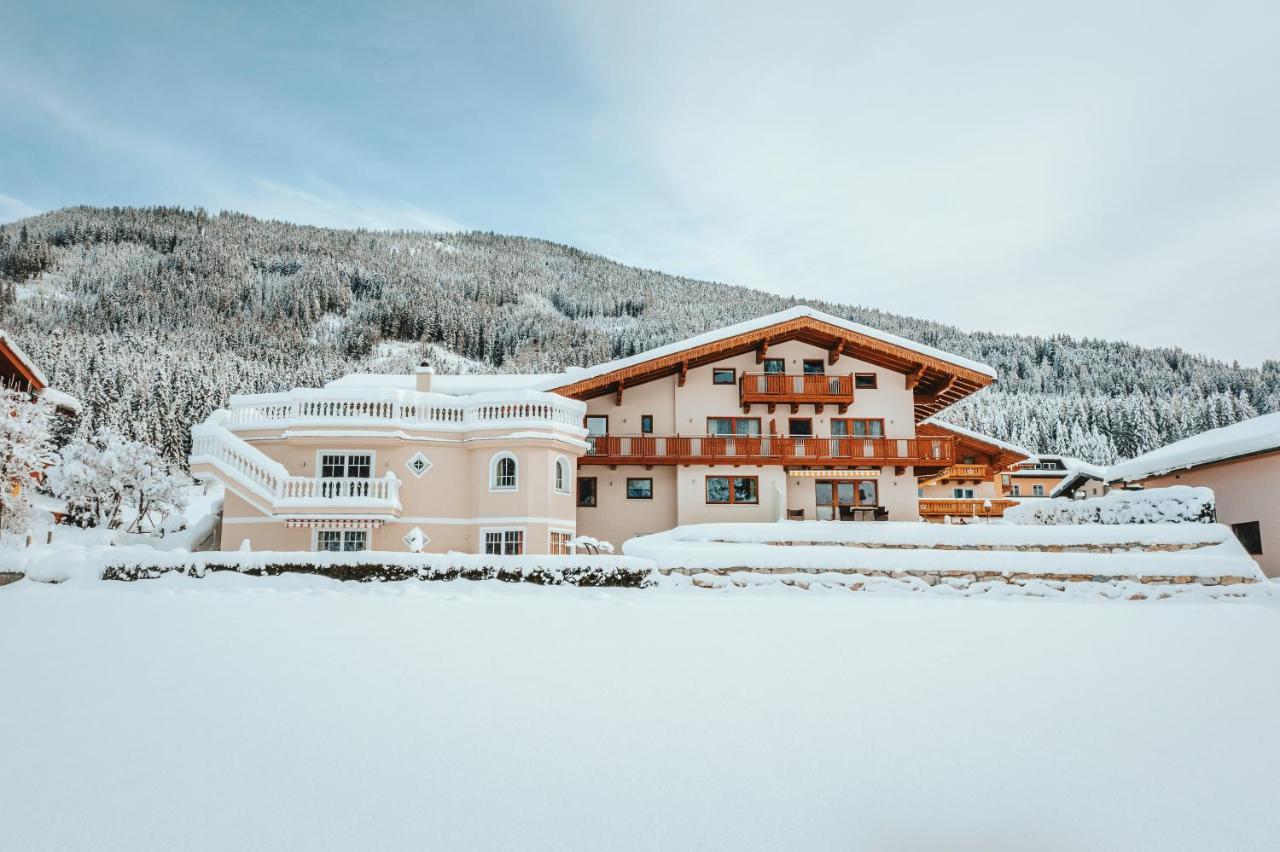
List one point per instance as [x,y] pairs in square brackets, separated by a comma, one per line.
[345,473]
[342,540]
[560,543]
[507,541]
[560,475]
[418,464]
[503,473]
[962,493]
[1037,490]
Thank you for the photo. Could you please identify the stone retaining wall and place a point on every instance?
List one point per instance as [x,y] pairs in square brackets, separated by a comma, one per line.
[960,579]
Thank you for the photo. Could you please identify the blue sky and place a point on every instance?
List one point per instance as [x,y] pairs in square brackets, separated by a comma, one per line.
[1106,171]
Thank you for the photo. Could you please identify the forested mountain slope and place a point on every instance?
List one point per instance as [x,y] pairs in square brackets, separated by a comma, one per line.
[153,316]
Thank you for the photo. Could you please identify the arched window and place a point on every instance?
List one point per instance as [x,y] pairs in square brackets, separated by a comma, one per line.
[503,473]
[562,475]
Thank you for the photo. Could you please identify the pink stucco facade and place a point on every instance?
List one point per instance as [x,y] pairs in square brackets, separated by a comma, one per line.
[425,465]
[1245,490]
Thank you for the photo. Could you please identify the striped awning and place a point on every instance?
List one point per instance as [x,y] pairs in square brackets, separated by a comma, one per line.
[335,523]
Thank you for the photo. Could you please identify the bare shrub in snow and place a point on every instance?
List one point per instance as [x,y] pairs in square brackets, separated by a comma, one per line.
[106,478]
[587,544]
[26,448]
[1177,504]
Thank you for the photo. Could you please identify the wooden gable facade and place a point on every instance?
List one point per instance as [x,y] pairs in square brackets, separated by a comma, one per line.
[936,383]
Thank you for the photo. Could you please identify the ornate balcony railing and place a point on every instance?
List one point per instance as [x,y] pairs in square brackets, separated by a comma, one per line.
[795,389]
[767,449]
[266,410]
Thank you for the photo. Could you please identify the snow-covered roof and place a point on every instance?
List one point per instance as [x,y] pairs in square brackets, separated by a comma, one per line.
[59,399]
[978,436]
[761,323]
[1257,435]
[459,385]
[26,361]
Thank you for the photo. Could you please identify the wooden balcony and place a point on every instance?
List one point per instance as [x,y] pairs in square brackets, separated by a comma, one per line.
[965,472]
[975,507]
[795,390]
[768,449]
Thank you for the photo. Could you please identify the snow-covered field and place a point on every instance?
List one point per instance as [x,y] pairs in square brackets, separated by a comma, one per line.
[296,712]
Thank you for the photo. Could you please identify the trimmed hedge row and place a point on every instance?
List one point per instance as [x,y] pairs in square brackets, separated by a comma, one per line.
[541,574]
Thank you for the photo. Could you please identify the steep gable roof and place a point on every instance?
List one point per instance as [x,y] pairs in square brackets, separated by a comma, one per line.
[1246,438]
[19,364]
[938,378]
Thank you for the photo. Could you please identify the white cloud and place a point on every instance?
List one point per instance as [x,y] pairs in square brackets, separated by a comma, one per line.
[1100,173]
[324,204]
[198,180]
[14,208]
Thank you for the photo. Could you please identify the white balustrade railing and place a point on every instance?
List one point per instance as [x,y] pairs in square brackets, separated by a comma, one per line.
[213,444]
[253,412]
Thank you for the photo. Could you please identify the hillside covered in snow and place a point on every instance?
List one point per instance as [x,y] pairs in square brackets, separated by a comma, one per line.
[154,316]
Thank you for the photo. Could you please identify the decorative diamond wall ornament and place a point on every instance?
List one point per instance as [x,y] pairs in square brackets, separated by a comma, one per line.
[415,539]
[418,464]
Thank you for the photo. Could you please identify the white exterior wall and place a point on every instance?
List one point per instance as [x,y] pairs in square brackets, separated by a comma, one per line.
[1245,490]
[615,518]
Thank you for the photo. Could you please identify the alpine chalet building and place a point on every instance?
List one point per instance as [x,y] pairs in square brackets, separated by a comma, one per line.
[798,414]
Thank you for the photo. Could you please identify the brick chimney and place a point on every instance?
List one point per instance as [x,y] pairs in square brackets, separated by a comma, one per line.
[422,377]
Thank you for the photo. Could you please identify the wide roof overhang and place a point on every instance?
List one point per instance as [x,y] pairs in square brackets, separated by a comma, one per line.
[936,382]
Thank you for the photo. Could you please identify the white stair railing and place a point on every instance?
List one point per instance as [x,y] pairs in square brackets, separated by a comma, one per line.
[218,447]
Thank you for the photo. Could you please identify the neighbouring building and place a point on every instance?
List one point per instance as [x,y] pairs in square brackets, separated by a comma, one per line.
[19,372]
[1240,463]
[1048,475]
[977,485]
[799,414]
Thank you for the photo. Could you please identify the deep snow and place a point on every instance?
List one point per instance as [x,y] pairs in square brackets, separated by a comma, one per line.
[301,713]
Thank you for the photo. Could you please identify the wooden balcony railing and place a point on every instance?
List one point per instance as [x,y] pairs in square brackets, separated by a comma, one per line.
[965,472]
[795,389]
[968,508]
[767,449]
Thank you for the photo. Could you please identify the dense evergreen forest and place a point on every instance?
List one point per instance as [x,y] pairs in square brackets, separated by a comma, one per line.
[153,316]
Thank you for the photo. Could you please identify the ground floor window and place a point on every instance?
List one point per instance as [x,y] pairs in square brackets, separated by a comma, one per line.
[1250,535]
[342,540]
[1037,491]
[733,489]
[560,542]
[639,488]
[586,491]
[504,542]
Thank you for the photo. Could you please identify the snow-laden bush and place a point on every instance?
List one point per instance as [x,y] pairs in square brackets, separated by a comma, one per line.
[106,478]
[26,448]
[1176,504]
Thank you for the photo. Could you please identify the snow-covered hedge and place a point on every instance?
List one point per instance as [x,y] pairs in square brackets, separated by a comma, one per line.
[1176,504]
[371,566]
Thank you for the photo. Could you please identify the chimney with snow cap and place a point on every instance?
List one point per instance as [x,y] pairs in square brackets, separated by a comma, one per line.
[422,377]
